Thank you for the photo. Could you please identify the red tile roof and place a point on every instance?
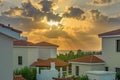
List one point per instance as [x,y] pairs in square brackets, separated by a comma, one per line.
[38,62]
[88,59]
[18,77]
[114,32]
[46,63]
[27,43]
[45,44]
[22,43]
[8,27]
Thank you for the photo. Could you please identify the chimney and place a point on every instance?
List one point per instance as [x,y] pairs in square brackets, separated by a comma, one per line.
[8,25]
[52,66]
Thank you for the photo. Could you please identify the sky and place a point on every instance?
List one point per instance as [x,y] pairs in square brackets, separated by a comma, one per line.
[71,24]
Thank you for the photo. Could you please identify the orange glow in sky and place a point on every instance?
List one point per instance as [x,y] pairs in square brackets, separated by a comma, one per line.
[71,24]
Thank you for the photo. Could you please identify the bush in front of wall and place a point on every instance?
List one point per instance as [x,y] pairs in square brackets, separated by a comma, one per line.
[82,77]
[27,73]
[117,75]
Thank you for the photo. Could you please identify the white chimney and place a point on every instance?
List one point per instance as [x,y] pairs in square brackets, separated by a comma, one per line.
[52,66]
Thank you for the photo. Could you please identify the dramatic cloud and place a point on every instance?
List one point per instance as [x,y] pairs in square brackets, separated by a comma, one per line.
[101,2]
[0,1]
[73,12]
[75,28]
[30,11]
[16,11]
[47,6]
[97,16]
[51,17]
[57,33]
[29,16]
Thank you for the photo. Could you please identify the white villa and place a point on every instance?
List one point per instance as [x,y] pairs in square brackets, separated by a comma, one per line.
[87,63]
[25,53]
[111,50]
[7,35]
[107,61]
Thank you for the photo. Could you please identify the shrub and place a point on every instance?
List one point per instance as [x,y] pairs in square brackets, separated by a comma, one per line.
[27,73]
[117,75]
[83,77]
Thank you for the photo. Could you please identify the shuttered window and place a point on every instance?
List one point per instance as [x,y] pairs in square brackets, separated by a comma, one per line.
[77,70]
[106,68]
[117,69]
[19,60]
[118,45]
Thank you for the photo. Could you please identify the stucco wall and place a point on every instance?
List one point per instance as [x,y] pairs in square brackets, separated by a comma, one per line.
[109,53]
[20,51]
[29,55]
[46,52]
[86,67]
[32,55]
[6,58]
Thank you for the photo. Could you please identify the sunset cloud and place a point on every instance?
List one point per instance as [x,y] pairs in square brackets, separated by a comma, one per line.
[76,27]
[0,1]
[74,12]
[101,2]
[47,6]
[97,16]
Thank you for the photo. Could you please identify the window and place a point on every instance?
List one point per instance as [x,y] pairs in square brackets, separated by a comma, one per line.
[106,69]
[117,69]
[77,70]
[118,45]
[19,60]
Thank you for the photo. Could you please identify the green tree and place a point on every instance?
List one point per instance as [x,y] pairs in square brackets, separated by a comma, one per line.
[27,73]
[70,55]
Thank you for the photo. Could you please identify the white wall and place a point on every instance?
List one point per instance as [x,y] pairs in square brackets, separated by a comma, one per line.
[109,53]
[32,55]
[28,53]
[46,52]
[20,51]
[6,58]
[47,75]
[86,67]
[101,75]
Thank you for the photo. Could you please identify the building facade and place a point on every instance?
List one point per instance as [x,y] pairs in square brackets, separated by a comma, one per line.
[25,53]
[7,35]
[87,63]
[111,49]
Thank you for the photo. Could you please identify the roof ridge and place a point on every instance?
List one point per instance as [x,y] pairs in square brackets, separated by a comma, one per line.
[13,29]
[44,43]
[109,33]
[88,59]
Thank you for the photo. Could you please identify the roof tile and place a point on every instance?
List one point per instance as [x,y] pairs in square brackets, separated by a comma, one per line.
[18,77]
[114,32]
[88,59]
[27,43]
[46,63]
[45,44]
[22,43]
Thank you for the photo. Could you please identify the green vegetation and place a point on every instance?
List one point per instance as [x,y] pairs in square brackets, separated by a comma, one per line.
[27,73]
[117,75]
[71,55]
[82,77]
